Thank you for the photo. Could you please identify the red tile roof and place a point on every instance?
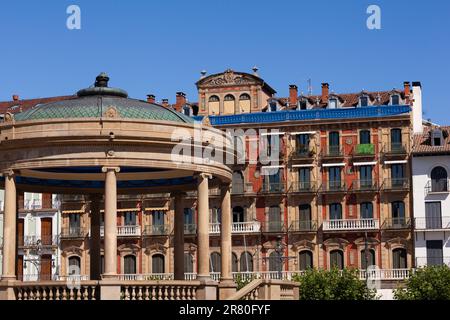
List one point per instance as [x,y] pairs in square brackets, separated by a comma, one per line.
[16,106]
[422,142]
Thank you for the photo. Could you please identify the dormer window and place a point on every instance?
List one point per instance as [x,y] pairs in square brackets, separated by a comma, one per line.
[332,103]
[395,100]
[437,138]
[302,105]
[273,106]
[187,111]
[364,101]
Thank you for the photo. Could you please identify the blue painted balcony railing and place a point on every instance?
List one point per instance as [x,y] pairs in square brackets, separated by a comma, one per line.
[313,114]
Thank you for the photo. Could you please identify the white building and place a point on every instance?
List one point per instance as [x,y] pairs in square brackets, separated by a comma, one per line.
[431,195]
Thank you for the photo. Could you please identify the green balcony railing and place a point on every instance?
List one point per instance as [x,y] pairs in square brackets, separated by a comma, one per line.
[367,149]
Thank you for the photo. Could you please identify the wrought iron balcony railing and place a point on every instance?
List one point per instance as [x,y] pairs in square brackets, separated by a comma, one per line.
[396,184]
[274,227]
[302,153]
[74,232]
[190,229]
[332,152]
[303,186]
[333,186]
[36,241]
[432,223]
[395,149]
[351,224]
[303,226]
[272,188]
[241,188]
[364,185]
[397,223]
[437,186]
[156,230]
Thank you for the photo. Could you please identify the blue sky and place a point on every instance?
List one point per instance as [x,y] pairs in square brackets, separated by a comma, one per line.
[160,47]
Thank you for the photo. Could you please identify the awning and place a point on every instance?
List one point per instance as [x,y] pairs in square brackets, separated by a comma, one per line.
[124,210]
[157,209]
[73,211]
[396,161]
[302,165]
[356,164]
[302,132]
[333,165]
[272,133]
[271,167]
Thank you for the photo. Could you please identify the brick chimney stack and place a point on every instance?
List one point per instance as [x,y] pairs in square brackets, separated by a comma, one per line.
[15,97]
[293,95]
[407,90]
[151,98]
[165,103]
[180,101]
[325,91]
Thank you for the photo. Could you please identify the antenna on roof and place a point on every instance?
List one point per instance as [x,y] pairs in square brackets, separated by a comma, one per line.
[309,87]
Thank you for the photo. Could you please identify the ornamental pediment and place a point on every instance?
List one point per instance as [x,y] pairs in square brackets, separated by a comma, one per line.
[228,78]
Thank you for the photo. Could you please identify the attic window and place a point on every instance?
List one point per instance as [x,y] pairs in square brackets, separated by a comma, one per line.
[303,105]
[187,111]
[364,101]
[395,100]
[273,106]
[332,103]
[437,138]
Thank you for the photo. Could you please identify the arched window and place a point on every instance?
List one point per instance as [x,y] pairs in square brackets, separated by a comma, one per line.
[364,137]
[158,263]
[246,262]
[305,260]
[275,262]
[244,103]
[214,105]
[398,214]
[74,265]
[399,258]
[234,263]
[335,211]
[229,104]
[439,179]
[215,261]
[366,210]
[129,262]
[237,182]
[188,263]
[238,214]
[304,217]
[337,259]
[368,257]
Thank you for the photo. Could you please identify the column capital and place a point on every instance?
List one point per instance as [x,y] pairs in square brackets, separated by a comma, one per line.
[8,173]
[204,175]
[106,169]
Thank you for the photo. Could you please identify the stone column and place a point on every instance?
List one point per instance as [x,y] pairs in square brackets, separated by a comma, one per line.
[179,237]
[95,241]
[110,222]
[227,286]
[9,227]
[203,227]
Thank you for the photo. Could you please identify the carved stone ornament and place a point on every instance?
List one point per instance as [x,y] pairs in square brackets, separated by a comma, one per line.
[206,122]
[9,117]
[228,78]
[111,112]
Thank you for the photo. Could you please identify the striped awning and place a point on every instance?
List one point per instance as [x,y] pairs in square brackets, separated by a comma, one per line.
[165,208]
[73,211]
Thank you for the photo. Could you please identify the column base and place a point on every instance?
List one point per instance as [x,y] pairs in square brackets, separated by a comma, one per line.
[207,290]
[204,277]
[109,290]
[227,287]
[7,289]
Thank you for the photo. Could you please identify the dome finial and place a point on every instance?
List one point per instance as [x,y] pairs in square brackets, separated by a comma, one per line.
[102,80]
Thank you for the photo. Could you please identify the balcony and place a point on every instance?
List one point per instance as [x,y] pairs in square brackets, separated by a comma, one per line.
[36,241]
[272,188]
[432,261]
[302,154]
[303,226]
[190,229]
[274,227]
[303,187]
[35,204]
[432,223]
[364,186]
[396,184]
[237,227]
[124,231]
[397,223]
[350,224]
[395,149]
[74,233]
[333,152]
[333,187]
[437,187]
[156,230]
[385,274]
[364,150]
[241,188]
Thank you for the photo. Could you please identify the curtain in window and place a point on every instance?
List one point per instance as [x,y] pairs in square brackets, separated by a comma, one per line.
[439,179]
[370,258]
[366,209]
[435,254]
[399,259]
[129,264]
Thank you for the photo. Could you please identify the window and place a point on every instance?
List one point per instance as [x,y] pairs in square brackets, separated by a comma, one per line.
[244,103]
[302,144]
[337,259]
[333,143]
[367,258]
[399,259]
[395,100]
[304,178]
[396,140]
[188,263]
[335,211]
[332,103]
[274,219]
[158,218]
[215,215]
[364,101]
[397,175]
[130,218]
[433,215]
[246,262]
[74,223]
[215,262]
[437,138]
[366,210]
[238,214]
[303,104]
[229,104]
[304,215]
[234,263]
[189,225]
[158,263]
[435,254]
[398,213]
[365,176]
[187,110]
[74,266]
[305,260]
[439,180]
[129,262]
[275,262]
[273,106]
[214,105]
[364,137]
[237,184]
[334,178]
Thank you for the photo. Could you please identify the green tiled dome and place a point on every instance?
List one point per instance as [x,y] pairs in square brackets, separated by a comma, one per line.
[96,101]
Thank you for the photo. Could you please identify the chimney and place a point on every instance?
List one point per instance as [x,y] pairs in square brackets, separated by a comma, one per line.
[293,95]
[151,98]
[165,102]
[180,101]
[407,90]
[15,97]
[325,91]
[417,107]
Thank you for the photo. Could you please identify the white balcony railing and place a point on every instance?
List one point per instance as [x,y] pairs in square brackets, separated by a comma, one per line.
[34,204]
[432,223]
[237,227]
[351,224]
[386,274]
[124,231]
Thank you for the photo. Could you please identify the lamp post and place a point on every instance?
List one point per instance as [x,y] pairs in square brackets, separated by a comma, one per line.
[366,256]
[279,250]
